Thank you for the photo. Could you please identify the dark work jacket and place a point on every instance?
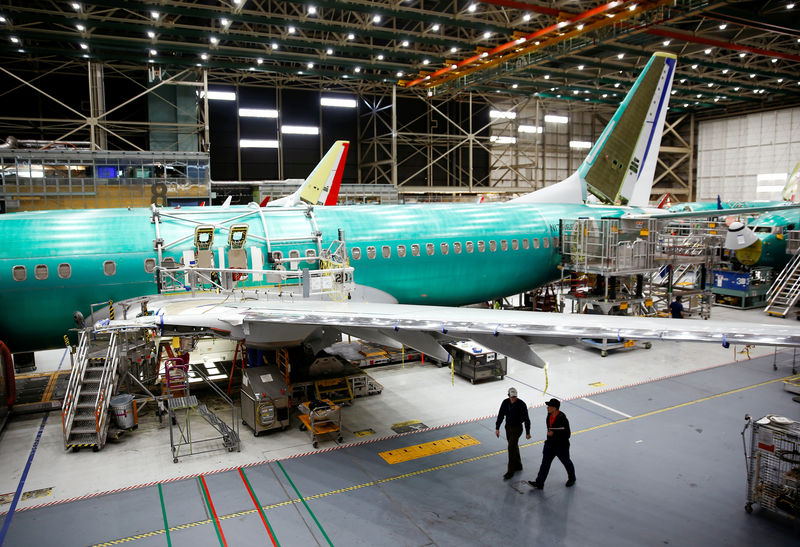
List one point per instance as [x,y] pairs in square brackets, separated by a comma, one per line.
[516,415]
[560,438]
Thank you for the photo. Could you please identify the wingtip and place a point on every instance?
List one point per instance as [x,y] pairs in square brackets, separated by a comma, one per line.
[665,54]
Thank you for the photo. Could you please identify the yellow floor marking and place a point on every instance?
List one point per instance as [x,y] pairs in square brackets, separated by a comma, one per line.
[597,384]
[479,457]
[402,424]
[364,432]
[409,453]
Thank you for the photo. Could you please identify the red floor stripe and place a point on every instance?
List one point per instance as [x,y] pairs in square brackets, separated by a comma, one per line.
[260,511]
[213,511]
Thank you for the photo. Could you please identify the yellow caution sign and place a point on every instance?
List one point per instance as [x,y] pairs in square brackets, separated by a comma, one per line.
[409,453]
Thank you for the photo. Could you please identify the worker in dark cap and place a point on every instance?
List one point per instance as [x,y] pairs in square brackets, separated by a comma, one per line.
[515,412]
[556,445]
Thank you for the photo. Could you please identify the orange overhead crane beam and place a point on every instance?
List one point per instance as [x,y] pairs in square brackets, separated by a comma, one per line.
[598,17]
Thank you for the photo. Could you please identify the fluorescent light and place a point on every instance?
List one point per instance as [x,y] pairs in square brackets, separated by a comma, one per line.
[300,130]
[530,129]
[257,143]
[551,118]
[257,113]
[502,139]
[339,103]
[580,145]
[219,95]
[501,114]
[764,177]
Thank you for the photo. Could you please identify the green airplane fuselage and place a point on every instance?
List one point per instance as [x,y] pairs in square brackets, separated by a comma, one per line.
[73,258]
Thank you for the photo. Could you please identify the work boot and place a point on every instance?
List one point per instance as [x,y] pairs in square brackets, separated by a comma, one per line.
[536,485]
[570,482]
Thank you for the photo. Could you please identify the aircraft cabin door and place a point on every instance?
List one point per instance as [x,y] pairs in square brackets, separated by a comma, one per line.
[237,255]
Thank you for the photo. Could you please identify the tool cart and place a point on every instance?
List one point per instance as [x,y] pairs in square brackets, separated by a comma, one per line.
[321,418]
[773,466]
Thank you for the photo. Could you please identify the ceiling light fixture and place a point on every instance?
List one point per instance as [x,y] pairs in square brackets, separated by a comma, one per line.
[399,74]
[723,26]
[526,17]
[487,35]
[76,6]
[580,67]
[380,57]
[151,34]
[204,56]
[404,43]
[580,27]
[224,22]
[453,49]
[274,45]
[514,86]
[708,51]
[329,51]
[472,7]
[620,56]
[435,27]
[310,65]
[724,70]
[291,30]
[357,69]
[153,52]
[351,36]
[666,42]
[214,40]
[425,61]
[376,18]
[694,67]
[155,14]
[259,60]
[14,40]
[312,10]
[80,27]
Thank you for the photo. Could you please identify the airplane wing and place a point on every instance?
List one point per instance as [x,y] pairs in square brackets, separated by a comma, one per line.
[270,322]
[661,214]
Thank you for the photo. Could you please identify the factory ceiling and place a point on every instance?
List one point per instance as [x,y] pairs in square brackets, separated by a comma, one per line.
[734,56]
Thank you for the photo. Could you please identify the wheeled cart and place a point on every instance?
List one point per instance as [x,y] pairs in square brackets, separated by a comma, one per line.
[606,344]
[321,418]
[773,466]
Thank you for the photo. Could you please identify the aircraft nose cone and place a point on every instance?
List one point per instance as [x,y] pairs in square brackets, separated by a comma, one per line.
[749,255]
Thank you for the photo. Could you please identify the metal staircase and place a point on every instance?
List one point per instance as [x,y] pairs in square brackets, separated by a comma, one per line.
[785,292]
[85,410]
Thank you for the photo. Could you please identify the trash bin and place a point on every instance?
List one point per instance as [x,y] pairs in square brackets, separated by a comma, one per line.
[122,408]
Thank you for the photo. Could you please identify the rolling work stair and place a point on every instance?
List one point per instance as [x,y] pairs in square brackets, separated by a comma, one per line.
[85,412]
[785,292]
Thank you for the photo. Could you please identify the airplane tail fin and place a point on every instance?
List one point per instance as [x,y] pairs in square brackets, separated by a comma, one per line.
[790,190]
[621,165]
[322,185]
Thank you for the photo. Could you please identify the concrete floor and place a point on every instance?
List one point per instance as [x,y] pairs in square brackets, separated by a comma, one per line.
[669,474]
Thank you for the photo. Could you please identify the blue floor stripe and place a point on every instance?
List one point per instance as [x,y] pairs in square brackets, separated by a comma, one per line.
[21,484]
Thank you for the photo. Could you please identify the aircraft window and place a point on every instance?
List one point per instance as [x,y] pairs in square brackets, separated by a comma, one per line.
[504,244]
[401,251]
[470,247]
[445,247]
[429,249]
[457,247]
[310,253]
[294,253]
[515,244]
[555,243]
[356,253]
[535,242]
[481,246]
[762,229]
[492,245]
[149,266]
[526,244]
[546,242]
[790,227]
[40,271]
[168,262]
[414,250]
[371,252]
[65,270]
[19,273]
[109,268]
[386,251]
[277,256]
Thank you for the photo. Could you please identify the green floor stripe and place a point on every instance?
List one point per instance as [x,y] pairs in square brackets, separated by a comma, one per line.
[310,512]
[210,510]
[260,509]
[164,514]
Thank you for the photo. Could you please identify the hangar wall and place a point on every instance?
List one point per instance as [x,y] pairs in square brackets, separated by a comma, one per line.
[737,157]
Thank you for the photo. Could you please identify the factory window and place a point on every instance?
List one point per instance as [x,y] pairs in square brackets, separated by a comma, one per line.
[504,244]
[457,247]
[386,251]
[492,245]
[371,252]
[515,244]
[109,268]
[429,248]
[19,273]
[445,247]
[414,250]
[401,251]
[535,242]
[40,271]
[481,246]
[356,253]
[65,270]
[546,242]
[526,244]
[470,247]
[149,265]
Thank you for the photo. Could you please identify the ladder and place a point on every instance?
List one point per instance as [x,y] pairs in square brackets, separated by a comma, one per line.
[784,293]
[85,410]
